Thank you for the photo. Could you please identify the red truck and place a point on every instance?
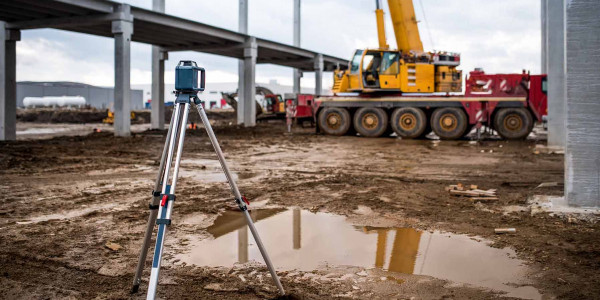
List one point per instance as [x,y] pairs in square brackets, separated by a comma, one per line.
[510,104]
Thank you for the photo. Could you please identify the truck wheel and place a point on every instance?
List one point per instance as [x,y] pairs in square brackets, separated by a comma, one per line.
[513,123]
[449,123]
[370,121]
[409,122]
[334,120]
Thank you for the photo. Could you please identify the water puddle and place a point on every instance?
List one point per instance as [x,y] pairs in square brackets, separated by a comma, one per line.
[204,170]
[301,240]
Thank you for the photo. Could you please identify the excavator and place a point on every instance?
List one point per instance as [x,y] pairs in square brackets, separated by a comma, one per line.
[407,69]
[410,92]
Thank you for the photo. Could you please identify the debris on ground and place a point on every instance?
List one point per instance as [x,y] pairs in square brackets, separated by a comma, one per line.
[505,230]
[113,246]
[472,191]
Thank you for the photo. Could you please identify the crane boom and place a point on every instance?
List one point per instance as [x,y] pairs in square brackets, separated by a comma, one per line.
[380,26]
[405,26]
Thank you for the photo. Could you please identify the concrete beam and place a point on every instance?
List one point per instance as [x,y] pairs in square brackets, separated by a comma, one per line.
[555,55]
[67,22]
[296,73]
[157,115]
[122,31]
[319,74]
[8,82]
[242,28]
[582,152]
[247,96]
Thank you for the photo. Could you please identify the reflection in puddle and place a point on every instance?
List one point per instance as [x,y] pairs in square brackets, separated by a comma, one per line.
[298,239]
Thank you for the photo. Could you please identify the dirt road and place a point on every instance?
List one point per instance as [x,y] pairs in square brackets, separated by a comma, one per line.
[65,200]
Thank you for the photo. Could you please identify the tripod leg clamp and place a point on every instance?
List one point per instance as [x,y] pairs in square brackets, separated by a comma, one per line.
[166,198]
[151,206]
[242,202]
[163,221]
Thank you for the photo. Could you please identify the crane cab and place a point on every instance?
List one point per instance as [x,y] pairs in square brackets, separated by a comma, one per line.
[382,70]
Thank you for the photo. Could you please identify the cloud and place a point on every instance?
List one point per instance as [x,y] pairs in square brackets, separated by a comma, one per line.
[500,36]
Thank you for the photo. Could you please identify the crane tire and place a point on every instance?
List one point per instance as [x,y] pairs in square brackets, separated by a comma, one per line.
[370,121]
[409,122]
[334,120]
[449,123]
[513,123]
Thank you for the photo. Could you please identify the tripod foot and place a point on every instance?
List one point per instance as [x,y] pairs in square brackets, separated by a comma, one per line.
[135,289]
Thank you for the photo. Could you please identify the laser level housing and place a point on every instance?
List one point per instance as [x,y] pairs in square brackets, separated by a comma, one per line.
[189,78]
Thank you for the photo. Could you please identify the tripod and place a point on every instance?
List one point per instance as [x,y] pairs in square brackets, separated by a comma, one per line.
[163,199]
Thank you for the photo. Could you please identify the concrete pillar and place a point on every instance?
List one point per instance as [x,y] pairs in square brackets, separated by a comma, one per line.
[157,116]
[8,82]
[582,152]
[556,73]
[297,74]
[122,30]
[544,18]
[319,74]
[247,97]
[242,28]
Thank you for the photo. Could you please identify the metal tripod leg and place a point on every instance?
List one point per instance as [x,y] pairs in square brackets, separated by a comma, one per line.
[238,196]
[168,192]
[153,212]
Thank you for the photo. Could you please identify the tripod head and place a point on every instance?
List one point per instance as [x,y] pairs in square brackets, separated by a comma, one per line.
[189,80]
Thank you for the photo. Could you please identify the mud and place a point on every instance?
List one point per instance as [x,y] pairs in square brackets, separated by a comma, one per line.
[63,199]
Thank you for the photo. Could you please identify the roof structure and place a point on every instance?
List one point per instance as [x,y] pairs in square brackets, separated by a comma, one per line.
[169,32]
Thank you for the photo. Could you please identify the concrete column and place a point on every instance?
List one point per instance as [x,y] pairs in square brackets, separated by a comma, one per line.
[319,74]
[297,74]
[122,29]
[8,82]
[544,19]
[556,73]
[582,153]
[247,99]
[242,28]
[157,116]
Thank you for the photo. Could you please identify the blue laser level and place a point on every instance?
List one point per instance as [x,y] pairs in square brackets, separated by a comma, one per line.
[189,78]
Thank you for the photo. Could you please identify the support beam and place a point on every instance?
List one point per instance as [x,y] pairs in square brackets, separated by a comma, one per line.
[555,55]
[544,27]
[8,82]
[297,74]
[242,28]
[247,98]
[157,116]
[69,22]
[319,74]
[122,30]
[582,153]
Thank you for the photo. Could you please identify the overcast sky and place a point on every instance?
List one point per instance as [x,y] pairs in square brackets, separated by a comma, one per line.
[500,36]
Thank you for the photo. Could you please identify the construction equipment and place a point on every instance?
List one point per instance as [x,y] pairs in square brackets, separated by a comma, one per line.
[408,91]
[110,117]
[405,70]
[189,80]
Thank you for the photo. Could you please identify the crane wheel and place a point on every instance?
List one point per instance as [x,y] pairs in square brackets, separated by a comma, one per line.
[409,122]
[370,121]
[513,123]
[334,120]
[449,123]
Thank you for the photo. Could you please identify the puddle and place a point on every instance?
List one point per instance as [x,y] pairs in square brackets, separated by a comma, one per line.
[29,131]
[301,240]
[67,214]
[204,170]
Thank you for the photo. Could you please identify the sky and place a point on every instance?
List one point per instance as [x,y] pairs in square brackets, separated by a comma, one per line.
[499,36]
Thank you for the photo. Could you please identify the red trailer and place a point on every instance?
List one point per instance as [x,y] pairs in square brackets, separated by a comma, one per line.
[507,103]
[300,107]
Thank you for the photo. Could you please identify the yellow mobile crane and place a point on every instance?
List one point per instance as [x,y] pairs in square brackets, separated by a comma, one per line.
[405,70]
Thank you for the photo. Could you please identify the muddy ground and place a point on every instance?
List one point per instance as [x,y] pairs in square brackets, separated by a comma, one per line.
[63,199]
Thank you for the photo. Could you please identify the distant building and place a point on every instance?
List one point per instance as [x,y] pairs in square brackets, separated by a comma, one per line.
[97,97]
